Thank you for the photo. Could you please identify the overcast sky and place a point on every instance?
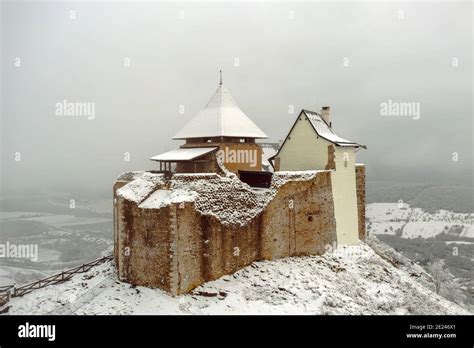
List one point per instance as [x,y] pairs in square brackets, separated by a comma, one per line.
[350,56]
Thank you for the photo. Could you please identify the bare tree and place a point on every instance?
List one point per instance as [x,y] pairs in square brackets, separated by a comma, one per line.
[445,283]
[439,274]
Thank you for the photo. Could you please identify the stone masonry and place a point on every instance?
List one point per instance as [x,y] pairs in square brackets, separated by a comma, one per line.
[360,188]
[180,245]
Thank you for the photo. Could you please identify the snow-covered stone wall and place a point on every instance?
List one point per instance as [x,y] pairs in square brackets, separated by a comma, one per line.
[194,228]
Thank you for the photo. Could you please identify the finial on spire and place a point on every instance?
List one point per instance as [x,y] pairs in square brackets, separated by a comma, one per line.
[220,72]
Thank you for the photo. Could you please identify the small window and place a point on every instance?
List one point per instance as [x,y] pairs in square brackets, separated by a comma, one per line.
[242,140]
[148,235]
[310,218]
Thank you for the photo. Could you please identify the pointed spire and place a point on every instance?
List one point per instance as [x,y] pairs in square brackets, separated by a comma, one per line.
[221,117]
[220,72]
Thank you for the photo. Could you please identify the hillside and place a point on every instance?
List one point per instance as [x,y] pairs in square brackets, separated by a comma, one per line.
[349,280]
[427,237]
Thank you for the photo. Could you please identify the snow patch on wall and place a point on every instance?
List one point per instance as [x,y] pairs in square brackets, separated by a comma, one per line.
[161,198]
[138,189]
[230,200]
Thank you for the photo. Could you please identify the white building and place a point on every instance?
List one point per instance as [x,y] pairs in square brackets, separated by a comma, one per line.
[311,144]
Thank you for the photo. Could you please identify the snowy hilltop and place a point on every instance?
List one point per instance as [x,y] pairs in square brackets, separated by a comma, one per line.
[361,279]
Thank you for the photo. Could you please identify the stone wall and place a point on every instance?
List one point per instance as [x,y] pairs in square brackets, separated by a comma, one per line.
[144,248]
[360,186]
[117,218]
[300,219]
[176,248]
[208,249]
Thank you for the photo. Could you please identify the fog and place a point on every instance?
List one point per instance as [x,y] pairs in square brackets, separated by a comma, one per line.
[138,63]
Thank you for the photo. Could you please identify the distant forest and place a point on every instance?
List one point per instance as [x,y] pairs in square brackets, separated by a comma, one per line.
[429,197]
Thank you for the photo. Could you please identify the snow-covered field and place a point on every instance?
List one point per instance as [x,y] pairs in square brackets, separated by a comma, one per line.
[21,275]
[68,220]
[350,280]
[13,215]
[390,218]
[55,220]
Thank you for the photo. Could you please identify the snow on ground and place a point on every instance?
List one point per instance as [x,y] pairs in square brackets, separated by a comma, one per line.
[385,227]
[424,229]
[458,242]
[11,274]
[390,218]
[350,280]
[468,231]
[48,255]
[13,215]
[63,221]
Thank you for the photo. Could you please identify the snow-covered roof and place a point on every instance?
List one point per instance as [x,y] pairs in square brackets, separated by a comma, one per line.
[324,131]
[183,154]
[267,152]
[220,117]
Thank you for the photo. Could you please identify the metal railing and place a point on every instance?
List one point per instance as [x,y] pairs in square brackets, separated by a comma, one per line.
[6,292]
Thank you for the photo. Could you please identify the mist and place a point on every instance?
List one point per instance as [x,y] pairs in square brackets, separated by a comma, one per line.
[139,64]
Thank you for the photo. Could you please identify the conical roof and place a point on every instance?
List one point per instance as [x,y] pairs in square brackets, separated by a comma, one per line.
[220,118]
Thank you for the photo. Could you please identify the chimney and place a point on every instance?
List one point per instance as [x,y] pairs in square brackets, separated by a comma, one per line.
[326,115]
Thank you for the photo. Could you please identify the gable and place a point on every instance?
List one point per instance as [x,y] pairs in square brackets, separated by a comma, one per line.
[305,122]
[303,149]
[321,130]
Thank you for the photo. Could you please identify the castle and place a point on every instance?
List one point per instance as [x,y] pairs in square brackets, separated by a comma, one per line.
[210,209]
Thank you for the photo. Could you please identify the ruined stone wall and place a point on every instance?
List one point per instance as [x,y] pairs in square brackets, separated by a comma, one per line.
[300,219]
[145,255]
[360,186]
[117,217]
[176,248]
[208,249]
[142,251]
